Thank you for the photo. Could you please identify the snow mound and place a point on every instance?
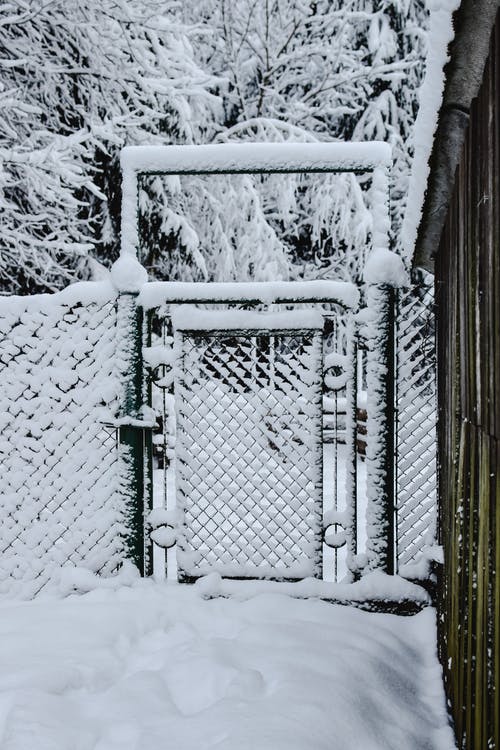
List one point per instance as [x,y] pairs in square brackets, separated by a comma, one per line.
[385,267]
[155,665]
[128,275]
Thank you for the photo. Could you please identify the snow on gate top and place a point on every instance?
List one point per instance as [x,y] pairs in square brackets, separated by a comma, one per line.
[157,293]
[190,318]
[257,157]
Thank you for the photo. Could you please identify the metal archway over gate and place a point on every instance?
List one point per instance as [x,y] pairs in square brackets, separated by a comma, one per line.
[242,375]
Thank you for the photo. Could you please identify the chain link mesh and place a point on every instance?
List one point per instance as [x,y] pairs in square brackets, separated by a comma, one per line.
[249,454]
[249,451]
[59,500]
[416,422]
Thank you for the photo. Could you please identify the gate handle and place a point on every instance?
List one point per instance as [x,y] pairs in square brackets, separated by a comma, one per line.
[332,520]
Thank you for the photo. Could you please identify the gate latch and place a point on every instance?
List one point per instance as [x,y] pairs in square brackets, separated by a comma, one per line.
[336,371]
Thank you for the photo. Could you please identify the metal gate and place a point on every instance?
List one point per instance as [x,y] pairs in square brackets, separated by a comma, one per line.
[372,159]
[239,394]
[249,441]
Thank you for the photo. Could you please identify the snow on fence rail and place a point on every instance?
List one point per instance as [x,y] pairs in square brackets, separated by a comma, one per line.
[266,292]
[258,157]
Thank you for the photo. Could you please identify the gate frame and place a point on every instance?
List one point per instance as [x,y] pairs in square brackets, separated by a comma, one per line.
[312,292]
[214,333]
[261,158]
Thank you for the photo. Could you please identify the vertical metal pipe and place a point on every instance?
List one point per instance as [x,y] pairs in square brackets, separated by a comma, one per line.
[380,428]
[134,436]
[350,441]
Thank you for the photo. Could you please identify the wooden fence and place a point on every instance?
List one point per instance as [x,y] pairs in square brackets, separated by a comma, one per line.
[468,300]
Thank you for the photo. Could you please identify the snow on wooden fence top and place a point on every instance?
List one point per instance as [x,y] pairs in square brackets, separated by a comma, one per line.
[257,157]
[158,293]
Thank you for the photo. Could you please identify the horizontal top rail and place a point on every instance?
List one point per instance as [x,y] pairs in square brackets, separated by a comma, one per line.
[187,318]
[253,158]
[158,293]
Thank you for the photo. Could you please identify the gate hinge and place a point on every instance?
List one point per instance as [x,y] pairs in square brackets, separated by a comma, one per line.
[164,524]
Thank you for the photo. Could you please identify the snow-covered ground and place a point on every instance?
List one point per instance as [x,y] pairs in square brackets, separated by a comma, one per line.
[154,665]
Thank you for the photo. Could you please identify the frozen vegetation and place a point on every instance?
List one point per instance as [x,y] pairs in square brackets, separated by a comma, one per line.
[81,79]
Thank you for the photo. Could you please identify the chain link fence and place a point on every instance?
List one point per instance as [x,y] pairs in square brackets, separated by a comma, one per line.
[249,453]
[416,413]
[60,487]
[62,494]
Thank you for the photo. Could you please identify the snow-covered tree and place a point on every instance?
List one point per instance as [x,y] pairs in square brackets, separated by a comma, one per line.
[79,79]
[299,70]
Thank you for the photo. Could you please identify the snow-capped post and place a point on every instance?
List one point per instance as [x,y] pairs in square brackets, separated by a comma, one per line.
[384,273]
[134,424]
[380,428]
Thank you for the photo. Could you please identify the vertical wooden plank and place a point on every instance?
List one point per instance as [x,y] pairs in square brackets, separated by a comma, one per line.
[495,667]
[468,299]
[481,651]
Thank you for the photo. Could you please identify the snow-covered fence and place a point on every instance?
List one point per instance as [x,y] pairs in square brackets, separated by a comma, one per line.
[76,428]
[416,412]
[86,501]
[412,421]
[60,488]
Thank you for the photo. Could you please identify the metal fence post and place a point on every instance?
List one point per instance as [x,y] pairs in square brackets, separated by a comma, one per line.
[380,428]
[134,431]
[351,444]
